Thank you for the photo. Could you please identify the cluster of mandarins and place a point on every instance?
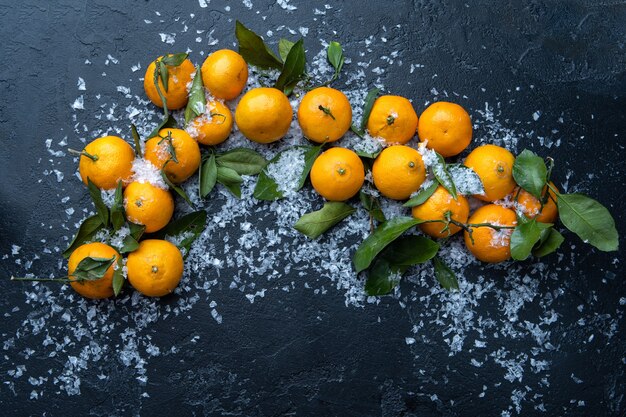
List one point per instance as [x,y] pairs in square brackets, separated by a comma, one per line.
[264,115]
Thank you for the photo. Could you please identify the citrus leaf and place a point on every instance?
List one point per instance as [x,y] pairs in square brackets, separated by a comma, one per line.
[335,57]
[316,223]
[410,250]
[91,269]
[466,180]
[129,244]
[377,241]
[530,172]
[372,205]
[284,46]
[137,139]
[174,60]
[524,238]
[86,231]
[382,278]
[168,121]
[551,243]
[189,226]
[176,188]
[244,161]
[117,209]
[445,275]
[294,67]
[197,100]
[118,278]
[440,170]
[96,197]
[590,220]
[367,106]
[422,195]
[136,230]
[230,179]
[208,176]
[163,72]
[253,49]
[266,187]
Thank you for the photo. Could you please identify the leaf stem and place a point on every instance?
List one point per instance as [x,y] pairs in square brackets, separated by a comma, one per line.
[83,153]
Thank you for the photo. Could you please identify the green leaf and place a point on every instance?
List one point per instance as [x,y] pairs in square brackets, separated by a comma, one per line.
[382,278]
[440,170]
[590,220]
[372,205]
[365,154]
[190,226]
[164,75]
[197,100]
[445,275]
[284,46]
[377,241]
[96,197]
[422,195]
[137,140]
[91,269]
[136,230]
[176,188]
[244,161]
[294,67]
[466,180]
[254,50]
[169,121]
[118,277]
[367,106]
[551,243]
[117,209]
[316,223]
[335,57]
[174,60]
[530,172]
[230,179]
[129,244]
[524,238]
[208,176]
[88,228]
[410,250]
[267,189]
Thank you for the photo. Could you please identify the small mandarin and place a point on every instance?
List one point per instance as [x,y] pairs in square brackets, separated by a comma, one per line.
[96,289]
[486,243]
[155,268]
[225,74]
[446,128]
[531,207]
[214,126]
[398,172]
[179,164]
[324,115]
[436,207]
[148,205]
[494,166]
[392,119]
[264,115]
[105,161]
[177,80]
[337,174]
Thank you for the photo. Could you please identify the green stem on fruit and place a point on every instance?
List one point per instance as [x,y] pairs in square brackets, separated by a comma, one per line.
[83,153]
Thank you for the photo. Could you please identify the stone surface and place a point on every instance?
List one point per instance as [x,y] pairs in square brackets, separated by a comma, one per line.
[548,74]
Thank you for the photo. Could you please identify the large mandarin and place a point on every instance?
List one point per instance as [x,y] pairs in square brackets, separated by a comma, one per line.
[264,115]
[398,172]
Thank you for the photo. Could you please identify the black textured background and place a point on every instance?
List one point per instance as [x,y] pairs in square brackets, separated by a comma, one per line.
[296,354]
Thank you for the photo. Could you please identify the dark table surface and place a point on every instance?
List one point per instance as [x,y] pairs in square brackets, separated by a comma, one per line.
[295,336]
